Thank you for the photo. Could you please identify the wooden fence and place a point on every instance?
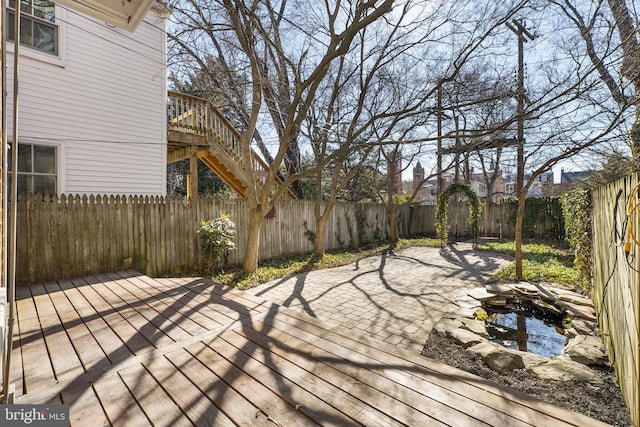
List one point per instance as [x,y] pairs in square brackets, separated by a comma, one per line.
[616,282]
[543,219]
[70,236]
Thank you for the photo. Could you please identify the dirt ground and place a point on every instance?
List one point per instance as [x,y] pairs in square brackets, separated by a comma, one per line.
[602,402]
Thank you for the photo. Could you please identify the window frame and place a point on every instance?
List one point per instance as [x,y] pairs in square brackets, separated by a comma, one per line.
[57,167]
[58,59]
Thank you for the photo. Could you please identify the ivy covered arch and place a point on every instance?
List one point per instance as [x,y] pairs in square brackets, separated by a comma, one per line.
[443,207]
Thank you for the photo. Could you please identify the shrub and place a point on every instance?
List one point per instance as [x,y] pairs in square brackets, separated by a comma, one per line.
[577,210]
[216,240]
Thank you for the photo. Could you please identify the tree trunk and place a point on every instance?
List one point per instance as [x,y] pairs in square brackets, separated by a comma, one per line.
[519,223]
[392,210]
[322,217]
[318,243]
[256,216]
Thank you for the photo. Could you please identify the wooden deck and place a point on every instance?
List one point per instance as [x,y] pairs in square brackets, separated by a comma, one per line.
[123,349]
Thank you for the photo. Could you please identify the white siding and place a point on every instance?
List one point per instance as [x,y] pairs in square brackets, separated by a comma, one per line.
[103,103]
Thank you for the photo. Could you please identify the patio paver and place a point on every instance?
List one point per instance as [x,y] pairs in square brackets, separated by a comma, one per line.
[396,298]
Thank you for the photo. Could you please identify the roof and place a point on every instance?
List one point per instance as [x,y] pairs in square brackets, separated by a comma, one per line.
[124,14]
[571,177]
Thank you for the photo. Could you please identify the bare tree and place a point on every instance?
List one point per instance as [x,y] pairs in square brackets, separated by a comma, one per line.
[611,42]
[285,63]
[564,107]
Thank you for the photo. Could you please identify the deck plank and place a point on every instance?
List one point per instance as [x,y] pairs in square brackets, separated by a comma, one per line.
[194,404]
[190,302]
[84,407]
[438,403]
[161,303]
[16,374]
[87,348]
[189,352]
[154,325]
[120,406]
[363,403]
[197,301]
[356,376]
[129,335]
[65,361]
[113,347]
[253,381]
[38,372]
[156,404]
[225,298]
[234,408]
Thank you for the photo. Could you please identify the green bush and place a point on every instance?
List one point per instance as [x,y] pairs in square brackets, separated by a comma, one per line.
[577,211]
[216,240]
[542,218]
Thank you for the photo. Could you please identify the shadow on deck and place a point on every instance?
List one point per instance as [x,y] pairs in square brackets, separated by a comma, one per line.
[125,349]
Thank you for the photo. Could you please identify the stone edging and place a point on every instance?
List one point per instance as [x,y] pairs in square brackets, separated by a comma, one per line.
[584,346]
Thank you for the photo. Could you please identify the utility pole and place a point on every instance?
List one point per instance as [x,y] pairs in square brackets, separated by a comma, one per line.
[439,108]
[523,36]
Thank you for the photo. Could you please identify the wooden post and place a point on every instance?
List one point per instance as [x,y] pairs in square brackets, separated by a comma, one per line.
[192,176]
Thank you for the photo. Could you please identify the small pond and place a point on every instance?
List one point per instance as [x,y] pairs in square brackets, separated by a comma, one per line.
[526,330]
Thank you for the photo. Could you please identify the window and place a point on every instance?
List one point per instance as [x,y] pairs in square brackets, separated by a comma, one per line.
[36,169]
[38,28]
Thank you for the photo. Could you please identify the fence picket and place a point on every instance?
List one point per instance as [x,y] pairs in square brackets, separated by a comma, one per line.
[75,235]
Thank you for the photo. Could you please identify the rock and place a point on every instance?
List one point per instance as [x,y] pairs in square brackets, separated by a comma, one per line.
[584,327]
[525,288]
[571,333]
[481,294]
[447,326]
[497,357]
[586,349]
[497,301]
[478,327]
[576,310]
[467,303]
[467,312]
[546,307]
[534,290]
[561,369]
[572,297]
[501,289]
[530,359]
[465,337]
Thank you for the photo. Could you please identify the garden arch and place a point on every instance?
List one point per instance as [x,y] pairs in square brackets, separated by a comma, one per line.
[442,210]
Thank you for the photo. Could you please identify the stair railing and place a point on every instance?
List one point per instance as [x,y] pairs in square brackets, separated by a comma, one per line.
[198,116]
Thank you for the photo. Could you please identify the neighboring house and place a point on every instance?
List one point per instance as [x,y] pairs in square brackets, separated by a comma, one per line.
[92,102]
[538,188]
[428,192]
[540,184]
[503,187]
[575,177]
[568,180]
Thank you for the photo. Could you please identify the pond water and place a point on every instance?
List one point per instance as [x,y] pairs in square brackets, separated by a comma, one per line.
[524,331]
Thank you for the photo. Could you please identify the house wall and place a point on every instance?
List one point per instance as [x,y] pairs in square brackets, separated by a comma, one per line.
[101,102]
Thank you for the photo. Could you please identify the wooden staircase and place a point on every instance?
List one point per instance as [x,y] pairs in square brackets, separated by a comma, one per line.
[197,129]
